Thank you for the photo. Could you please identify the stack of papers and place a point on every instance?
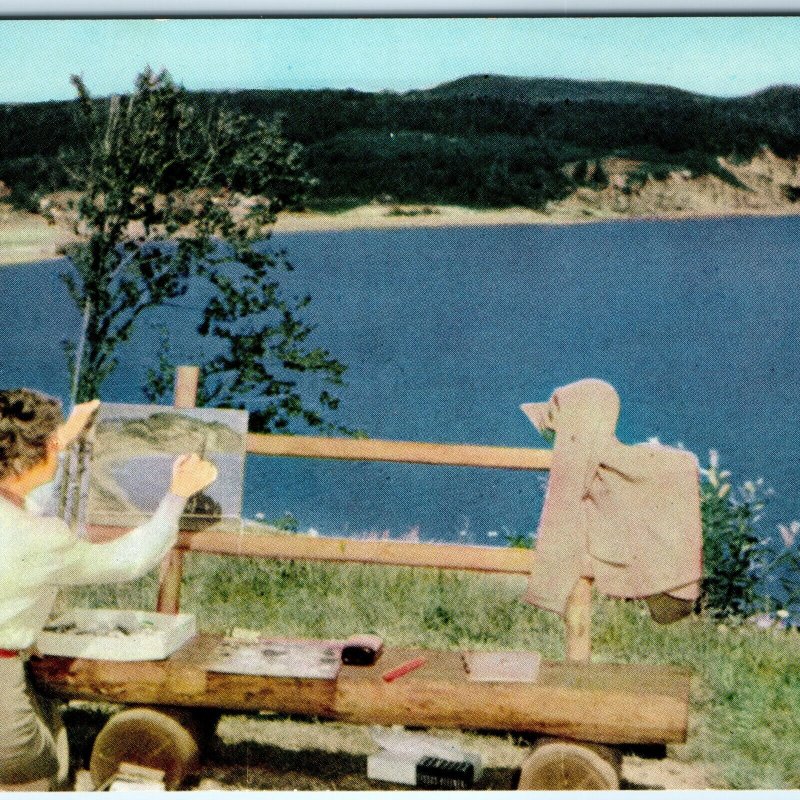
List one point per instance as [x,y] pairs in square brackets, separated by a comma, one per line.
[505,667]
[402,754]
[137,778]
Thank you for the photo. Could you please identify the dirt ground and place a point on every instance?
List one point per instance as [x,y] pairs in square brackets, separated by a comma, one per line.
[275,752]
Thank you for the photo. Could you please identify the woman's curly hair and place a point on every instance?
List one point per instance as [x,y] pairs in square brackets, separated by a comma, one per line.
[27,420]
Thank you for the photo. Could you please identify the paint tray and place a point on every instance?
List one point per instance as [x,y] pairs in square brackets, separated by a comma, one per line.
[115,635]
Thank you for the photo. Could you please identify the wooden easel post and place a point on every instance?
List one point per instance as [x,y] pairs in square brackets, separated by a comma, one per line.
[578,622]
[169,583]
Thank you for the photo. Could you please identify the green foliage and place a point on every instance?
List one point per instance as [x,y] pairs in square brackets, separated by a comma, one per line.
[649,170]
[592,175]
[744,571]
[600,176]
[288,522]
[581,172]
[399,211]
[791,193]
[701,164]
[333,205]
[524,540]
[422,167]
[27,178]
[161,188]
[730,544]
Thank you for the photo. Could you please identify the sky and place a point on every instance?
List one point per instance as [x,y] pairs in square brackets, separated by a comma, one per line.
[722,56]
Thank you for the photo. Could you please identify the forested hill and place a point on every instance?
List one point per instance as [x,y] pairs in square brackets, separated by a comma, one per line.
[556,90]
[481,140]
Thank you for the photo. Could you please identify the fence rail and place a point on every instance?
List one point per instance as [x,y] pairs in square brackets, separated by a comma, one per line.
[509,560]
[514,561]
[453,455]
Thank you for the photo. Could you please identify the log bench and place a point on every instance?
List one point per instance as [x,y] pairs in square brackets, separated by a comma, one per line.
[586,707]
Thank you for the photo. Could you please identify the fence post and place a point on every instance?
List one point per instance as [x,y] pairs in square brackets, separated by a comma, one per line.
[578,622]
[169,582]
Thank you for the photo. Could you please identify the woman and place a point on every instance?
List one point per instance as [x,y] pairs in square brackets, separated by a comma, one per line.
[40,554]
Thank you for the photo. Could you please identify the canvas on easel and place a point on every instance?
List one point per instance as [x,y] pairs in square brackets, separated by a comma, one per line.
[118,475]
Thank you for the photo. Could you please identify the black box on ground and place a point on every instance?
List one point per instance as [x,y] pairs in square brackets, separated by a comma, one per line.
[439,773]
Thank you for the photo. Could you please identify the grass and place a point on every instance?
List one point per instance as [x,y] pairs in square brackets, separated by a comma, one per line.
[745,718]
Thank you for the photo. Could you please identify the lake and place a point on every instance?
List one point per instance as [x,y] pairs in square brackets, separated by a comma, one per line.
[447,330]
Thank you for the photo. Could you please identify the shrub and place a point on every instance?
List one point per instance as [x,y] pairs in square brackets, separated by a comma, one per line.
[600,177]
[580,172]
[791,193]
[730,542]
[746,571]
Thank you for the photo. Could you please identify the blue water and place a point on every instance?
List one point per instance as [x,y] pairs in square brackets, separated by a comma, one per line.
[447,331]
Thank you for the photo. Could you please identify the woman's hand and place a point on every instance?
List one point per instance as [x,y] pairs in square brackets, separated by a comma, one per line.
[80,419]
[191,474]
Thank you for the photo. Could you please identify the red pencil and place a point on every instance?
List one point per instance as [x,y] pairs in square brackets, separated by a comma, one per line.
[404,669]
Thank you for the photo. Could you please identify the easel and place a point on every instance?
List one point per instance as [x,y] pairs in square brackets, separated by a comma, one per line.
[169,581]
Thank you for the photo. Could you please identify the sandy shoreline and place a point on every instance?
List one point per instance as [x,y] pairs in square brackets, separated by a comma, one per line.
[26,238]
[384,217]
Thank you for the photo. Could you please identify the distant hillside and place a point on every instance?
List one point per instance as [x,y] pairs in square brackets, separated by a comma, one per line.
[164,433]
[480,141]
[557,90]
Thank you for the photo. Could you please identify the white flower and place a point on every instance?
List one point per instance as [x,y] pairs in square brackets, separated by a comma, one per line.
[260,515]
[312,532]
[713,458]
[787,534]
[492,534]
[782,613]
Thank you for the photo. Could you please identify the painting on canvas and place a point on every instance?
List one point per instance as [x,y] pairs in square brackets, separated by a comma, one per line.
[124,471]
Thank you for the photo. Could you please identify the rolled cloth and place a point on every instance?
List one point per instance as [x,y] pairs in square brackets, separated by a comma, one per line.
[627,516]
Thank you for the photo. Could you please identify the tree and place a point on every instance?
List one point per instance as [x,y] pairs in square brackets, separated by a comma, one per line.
[600,176]
[580,172]
[170,195]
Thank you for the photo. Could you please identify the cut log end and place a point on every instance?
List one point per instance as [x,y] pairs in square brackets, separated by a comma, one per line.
[555,765]
[148,738]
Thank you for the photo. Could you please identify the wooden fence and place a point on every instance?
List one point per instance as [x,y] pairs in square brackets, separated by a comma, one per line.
[514,561]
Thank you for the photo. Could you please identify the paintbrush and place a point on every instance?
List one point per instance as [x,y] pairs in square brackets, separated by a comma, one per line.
[201,511]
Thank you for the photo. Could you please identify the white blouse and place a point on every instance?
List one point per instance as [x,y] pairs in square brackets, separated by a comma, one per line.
[40,554]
